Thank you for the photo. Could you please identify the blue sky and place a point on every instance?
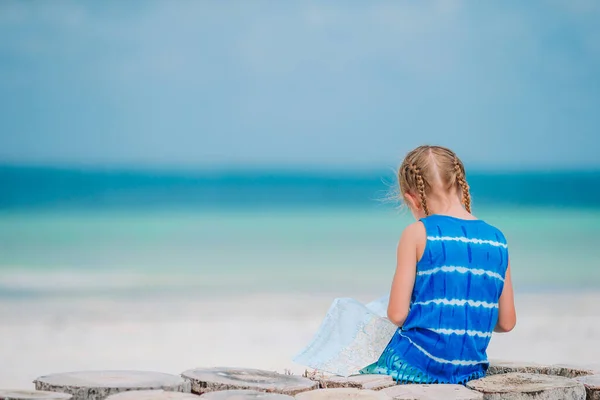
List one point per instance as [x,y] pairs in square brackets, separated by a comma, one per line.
[507,84]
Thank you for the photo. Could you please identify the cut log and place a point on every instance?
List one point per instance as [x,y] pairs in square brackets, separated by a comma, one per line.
[566,370]
[342,393]
[152,395]
[6,394]
[506,367]
[244,395]
[573,371]
[592,386]
[205,380]
[363,381]
[98,385]
[428,392]
[522,386]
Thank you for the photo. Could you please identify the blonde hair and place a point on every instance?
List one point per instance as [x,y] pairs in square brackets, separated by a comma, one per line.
[427,167]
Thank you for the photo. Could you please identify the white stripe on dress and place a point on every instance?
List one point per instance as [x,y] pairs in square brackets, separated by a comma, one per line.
[460,332]
[462,270]
[466,240]
[458,302]
[441,360]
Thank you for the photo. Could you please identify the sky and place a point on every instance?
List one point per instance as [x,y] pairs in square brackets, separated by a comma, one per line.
[354,84]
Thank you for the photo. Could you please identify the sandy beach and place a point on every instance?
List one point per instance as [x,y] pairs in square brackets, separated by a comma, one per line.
[41,336]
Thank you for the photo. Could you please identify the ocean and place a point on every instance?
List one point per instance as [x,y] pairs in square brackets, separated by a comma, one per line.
[67,232]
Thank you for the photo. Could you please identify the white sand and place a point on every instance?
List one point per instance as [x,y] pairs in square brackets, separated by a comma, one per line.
[45,336]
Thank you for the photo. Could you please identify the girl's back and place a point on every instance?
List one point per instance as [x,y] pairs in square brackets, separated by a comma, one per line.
[454,304]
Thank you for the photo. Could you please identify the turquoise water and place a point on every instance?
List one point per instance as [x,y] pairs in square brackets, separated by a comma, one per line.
[109,232]
[342,250]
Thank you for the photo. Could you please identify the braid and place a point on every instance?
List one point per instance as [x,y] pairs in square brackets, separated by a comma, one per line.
[420,186]
[462,182]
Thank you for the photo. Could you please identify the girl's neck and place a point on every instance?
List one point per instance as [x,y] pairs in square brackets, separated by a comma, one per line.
[447,205]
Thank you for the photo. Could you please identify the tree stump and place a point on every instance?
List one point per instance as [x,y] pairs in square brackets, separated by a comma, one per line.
[98,385]
[244,395]
[32,395]
[573,371]
[427,392]
[363,381]
[213,379]
[506,367]
[592,386]
[152,395]
[522,386]
[342,393]
[566,370]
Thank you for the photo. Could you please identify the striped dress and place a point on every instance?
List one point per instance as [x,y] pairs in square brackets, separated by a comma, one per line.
[454,305]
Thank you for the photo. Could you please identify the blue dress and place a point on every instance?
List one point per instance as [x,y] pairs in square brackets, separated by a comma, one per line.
[454,305]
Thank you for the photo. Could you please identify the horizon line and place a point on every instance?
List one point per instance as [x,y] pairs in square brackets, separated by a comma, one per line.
[295,169]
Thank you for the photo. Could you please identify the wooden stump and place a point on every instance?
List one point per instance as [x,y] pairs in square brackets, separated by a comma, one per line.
[566,370]
[592,386]
[152,395]
[32,395]
[573,371]
[244,395]
[212,379]
[98,385]
[506,367]
[363,381]
[427,392]
[522,386]
[342,393]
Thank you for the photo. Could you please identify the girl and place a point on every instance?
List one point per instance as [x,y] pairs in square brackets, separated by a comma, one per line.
[452,286]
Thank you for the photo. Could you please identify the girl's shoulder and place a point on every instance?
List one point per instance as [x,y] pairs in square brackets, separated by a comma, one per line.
[414,238]
[415,230]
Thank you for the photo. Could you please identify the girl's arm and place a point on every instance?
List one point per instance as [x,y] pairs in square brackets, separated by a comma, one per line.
[507,316]
[406,269]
